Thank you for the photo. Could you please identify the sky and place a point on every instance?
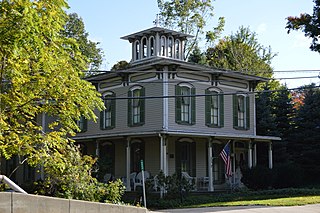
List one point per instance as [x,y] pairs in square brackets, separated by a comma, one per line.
[106,21]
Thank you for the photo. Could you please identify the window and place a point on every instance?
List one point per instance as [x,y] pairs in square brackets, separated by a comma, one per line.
[177,46]
[82,123]
[163,46]
[106,160]
[186,156]
[136,106]
[185,104]
[151,46]
[241,112]
[214,108]
[137,48]
[107,116]
[170,47]
[144,48]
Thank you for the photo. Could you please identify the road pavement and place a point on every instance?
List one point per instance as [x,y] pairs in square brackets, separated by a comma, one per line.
[247,209]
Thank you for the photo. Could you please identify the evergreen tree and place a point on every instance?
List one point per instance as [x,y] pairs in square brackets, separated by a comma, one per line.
[304,145]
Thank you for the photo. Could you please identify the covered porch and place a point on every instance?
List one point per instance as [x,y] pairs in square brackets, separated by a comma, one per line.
[195,155]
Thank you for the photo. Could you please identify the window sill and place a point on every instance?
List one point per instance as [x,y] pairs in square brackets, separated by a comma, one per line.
[241,128]
[185,123]
[214,126]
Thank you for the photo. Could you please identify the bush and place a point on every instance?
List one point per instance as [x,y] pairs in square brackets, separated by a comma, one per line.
[258,177]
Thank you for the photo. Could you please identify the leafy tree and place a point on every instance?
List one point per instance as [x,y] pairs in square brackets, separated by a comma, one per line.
[40,74]
[241,51]
[120,65]
[74,28]
[309,24]
[190,17]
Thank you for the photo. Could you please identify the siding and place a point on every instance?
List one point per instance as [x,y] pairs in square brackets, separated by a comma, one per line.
[200,126]
[153,112]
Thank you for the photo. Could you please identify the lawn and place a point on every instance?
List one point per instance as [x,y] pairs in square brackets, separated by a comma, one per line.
[280,197]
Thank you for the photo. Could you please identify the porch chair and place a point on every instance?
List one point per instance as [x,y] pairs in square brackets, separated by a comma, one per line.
[188,177]
[138,179]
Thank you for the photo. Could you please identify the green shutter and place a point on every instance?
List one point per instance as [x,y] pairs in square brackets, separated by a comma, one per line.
[178,104]
[113,111]
[193,106]
[129,108]
[85,125]
[142,105]
[102,116]
[208,107]
[235,111]
[221,110]
[247,112]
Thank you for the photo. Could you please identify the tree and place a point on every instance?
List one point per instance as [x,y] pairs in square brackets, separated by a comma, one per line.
[242,52]
[309,24]
[190,17]
[304,145]
[74,28]
[40,74]
[120,65]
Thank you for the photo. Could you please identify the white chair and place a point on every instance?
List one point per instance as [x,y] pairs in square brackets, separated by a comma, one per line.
[188,177]
[138,180]
[133,176]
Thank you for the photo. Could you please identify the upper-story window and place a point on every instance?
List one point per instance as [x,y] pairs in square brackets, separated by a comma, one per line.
[241,112]
[136,106]
[137,50]
[170,47]
[163,46]
[144,47]
[185,104]
[82,123]
[107,116]
[151,46]
[214,108]
[177,47]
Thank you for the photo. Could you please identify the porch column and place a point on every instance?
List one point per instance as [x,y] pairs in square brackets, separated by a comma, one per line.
[163,154]
[210,166]
[254,155]
[250,155]
[128,186]
[270,156]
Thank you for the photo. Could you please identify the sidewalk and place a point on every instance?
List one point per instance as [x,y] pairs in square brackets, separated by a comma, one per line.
[243,209]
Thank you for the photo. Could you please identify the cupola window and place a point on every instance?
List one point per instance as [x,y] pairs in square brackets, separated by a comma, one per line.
[177,53]
[170,48]
[137,47]
[163,46]
[151,46]
[144,48]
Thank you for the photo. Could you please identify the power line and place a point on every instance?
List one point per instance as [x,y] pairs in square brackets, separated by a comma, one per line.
[218,94]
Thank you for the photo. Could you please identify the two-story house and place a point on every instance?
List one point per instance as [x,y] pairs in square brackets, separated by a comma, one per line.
[173,115]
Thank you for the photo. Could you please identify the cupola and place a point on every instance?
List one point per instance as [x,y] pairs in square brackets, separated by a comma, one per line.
[157,42]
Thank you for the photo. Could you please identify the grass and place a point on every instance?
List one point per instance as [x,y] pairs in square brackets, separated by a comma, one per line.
[280,197]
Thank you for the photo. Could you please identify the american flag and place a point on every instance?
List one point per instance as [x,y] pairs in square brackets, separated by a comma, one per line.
[225,155]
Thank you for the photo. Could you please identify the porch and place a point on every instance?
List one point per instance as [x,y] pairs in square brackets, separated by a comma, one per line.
[195,155]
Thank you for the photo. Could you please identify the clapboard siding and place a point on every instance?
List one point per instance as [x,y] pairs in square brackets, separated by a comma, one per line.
[200,111]
[153,111]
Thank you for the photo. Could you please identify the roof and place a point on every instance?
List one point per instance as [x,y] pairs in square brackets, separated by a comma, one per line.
[181,133]
[149,63]
[154,30]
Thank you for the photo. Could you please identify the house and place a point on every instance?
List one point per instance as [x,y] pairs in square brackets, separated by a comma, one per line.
[172,114]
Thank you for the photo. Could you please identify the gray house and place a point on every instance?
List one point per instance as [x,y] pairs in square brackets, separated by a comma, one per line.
[173,115]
